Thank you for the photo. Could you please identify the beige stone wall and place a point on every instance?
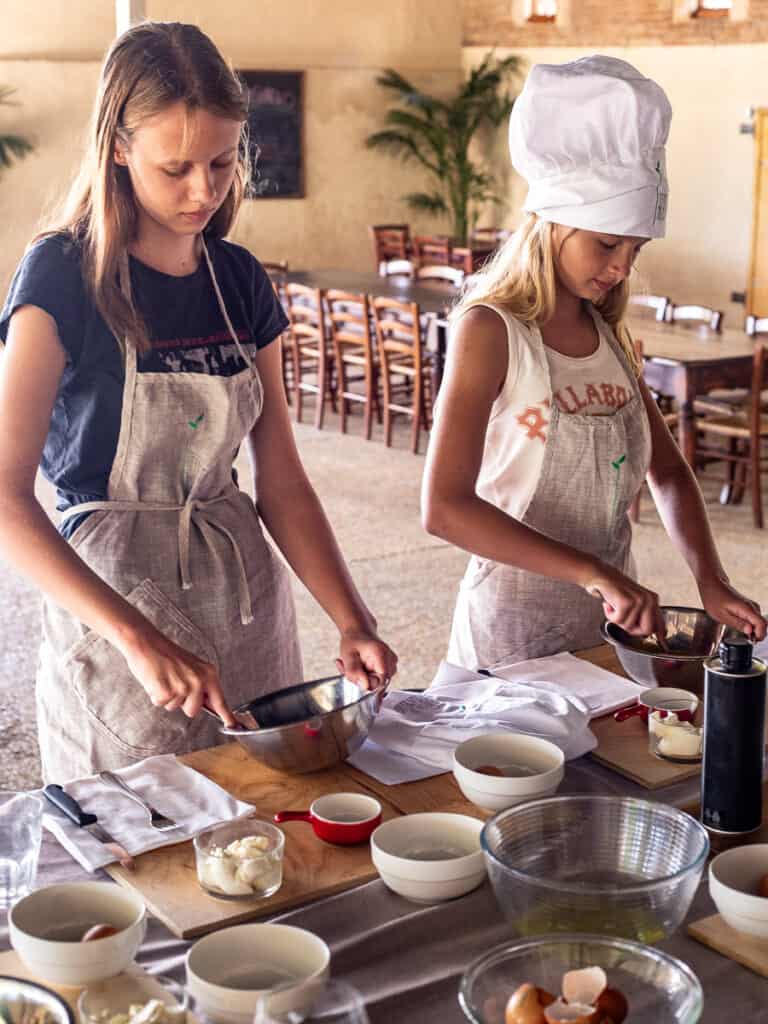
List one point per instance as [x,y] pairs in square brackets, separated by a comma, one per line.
[705,255]
[53,61]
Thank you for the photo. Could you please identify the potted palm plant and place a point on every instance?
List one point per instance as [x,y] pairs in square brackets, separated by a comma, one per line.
[437,134]
[12,147]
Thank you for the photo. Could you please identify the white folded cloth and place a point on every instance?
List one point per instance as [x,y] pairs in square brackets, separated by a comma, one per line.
[189,798]
[415,734]
[602,691]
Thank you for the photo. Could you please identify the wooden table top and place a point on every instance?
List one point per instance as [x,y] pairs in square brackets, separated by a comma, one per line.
[687,345]
[432,296]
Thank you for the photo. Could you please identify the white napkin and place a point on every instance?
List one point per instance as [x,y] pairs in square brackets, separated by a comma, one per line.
[602,691]
[189,798]
[415,734]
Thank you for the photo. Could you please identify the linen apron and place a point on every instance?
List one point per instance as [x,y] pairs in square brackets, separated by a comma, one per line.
[184,546]
[593,468]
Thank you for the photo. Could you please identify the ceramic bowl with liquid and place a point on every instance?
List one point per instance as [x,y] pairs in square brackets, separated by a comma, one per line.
[429,857]
[498,770]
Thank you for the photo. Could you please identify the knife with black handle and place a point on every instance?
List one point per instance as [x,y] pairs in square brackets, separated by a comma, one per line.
[69,806]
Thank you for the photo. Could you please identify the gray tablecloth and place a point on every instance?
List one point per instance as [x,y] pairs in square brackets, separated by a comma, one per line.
[407,959]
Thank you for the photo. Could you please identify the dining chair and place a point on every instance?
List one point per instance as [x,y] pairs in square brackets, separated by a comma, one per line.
[349,318]
[694,316]
[277,271]
[655,304]
[744,429]
[440,272]
[402,354]
[309,348]
[670,416]
[391,243]
[492,235]
[431,249]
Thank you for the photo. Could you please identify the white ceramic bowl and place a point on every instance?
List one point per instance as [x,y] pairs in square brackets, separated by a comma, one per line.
[733,880]
[509,752]
[45,929]
[429,857]
[228,970]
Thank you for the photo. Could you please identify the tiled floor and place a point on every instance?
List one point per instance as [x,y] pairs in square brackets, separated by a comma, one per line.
[371,495]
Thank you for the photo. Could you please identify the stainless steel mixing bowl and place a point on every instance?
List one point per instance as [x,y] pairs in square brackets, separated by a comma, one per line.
[307,727]
[691,637]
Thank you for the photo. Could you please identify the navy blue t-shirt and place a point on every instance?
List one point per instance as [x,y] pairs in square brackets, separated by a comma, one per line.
[186,329]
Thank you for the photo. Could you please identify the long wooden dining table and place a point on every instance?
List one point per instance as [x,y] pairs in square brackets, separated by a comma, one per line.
[680,361]
[685,362]
[407,959]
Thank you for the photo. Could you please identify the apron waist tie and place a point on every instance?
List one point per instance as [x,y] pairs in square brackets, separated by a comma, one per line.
[188,511]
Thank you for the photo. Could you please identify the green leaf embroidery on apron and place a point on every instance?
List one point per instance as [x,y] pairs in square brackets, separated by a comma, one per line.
[616,464]
[195,423]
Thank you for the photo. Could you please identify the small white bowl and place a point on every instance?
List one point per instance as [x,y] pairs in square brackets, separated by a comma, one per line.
[507,751]
[228,970]
[429,857]
[45,929]
[733,880]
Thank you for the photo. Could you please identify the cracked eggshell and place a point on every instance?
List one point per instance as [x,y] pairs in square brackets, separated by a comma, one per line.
[584,985]
[524,1006]
[561,1012]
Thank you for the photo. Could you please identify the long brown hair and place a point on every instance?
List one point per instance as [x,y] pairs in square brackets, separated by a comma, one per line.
[521,277]
[147,69]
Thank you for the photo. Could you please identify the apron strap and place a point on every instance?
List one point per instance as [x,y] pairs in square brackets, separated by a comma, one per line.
[220,299]
[193,510]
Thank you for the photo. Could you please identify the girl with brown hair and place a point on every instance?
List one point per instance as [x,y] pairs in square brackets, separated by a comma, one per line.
[140,354]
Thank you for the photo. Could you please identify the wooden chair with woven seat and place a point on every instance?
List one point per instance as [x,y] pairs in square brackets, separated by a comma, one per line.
[745,430]
[391,245]
[655,305]
[401,353]
[349,317]
[310,348]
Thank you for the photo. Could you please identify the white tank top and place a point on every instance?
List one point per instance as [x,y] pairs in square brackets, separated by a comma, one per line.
[517,428]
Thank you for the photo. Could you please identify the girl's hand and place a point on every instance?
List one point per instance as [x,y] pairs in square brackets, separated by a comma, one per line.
[362,654]
[174,678]
[727,605]
[632,607]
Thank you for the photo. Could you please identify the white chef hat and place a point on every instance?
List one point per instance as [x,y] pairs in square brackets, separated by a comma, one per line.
[589,138]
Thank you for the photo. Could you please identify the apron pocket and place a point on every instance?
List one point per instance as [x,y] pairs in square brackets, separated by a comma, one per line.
[113,698]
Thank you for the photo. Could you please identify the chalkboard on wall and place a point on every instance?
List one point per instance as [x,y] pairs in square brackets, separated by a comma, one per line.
[275,129]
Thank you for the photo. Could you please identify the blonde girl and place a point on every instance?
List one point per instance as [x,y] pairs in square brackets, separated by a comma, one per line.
[545,431]
[140,353]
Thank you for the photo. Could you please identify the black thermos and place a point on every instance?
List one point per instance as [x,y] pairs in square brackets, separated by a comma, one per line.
[734,739]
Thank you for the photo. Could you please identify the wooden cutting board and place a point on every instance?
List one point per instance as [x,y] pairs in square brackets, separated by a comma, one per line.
[744,949]
[11,963]
[166,878]
[623,747]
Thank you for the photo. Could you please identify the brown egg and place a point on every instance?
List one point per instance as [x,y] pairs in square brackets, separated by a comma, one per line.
[762,888]
[99,931]
[524,1006]
[489,769]
[613,1004]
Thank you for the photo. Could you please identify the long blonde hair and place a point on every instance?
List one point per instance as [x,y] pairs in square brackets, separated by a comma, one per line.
[147,69]
[521,277]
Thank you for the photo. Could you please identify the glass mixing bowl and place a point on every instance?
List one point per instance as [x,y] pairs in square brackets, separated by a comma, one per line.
[657,986]
[598,864]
